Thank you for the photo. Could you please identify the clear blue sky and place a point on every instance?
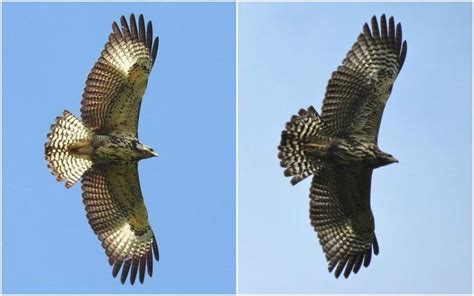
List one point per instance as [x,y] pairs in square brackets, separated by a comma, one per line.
[422,205]
[188,116]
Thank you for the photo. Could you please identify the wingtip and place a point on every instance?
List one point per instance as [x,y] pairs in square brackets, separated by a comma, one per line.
[123,20]
[125,270]
[366,30]
[156,252]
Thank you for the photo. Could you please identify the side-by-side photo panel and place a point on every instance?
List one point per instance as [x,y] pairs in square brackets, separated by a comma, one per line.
[354,148]
[119,148]
[224,147]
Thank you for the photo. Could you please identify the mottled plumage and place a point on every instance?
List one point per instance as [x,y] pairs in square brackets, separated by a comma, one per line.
[339,147]
[104,149]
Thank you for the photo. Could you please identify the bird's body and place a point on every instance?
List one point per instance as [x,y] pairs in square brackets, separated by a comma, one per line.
[347,152]
[118,149]
[340,146]
[103,149]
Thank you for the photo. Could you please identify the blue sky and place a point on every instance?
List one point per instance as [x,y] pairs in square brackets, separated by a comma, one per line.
[187,115]
[422,205]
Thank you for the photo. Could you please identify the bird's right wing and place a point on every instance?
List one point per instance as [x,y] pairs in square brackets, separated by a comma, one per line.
[117,214]
[359,89]
[341,215]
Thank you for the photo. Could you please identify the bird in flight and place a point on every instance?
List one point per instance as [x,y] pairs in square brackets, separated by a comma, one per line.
[103,148]
[339,147]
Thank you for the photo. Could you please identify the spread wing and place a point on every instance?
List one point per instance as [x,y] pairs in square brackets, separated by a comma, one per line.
[341,215]
[117,214]
[357,92]
[115,87]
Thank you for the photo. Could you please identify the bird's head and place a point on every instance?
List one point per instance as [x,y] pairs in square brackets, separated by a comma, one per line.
[393,159]
[389,159]
[384,159]
[145,151]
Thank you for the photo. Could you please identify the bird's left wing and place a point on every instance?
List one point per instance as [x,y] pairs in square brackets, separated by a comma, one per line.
[341,215]
[118,216]
[115,87]
[357,92]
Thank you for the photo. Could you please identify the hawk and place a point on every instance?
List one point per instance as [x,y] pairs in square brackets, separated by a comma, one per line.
[104,148]
[339,147]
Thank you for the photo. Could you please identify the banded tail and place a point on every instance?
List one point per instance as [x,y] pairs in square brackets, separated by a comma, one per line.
[68,134]
[297,133]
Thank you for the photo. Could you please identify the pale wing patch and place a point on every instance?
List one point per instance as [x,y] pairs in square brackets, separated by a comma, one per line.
[118,216]
[125,243]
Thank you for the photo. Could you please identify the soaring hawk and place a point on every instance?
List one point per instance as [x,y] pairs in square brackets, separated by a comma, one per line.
[104,148]
[339,147]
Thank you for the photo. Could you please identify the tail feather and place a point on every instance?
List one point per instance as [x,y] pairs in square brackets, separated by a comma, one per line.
[296,134]
[67,135]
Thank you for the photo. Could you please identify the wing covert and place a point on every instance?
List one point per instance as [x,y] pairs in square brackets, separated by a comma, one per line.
[116,84]
[118,216]
[358,90]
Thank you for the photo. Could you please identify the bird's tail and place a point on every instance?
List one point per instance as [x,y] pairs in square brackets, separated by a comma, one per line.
[66,149]
[293,155]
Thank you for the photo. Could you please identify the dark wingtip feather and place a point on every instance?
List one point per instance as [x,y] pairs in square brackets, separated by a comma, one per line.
[331,265]
[116,30]
[125,28]
[391,27]
[376,246]
[142,269]
[398,36]
[123,21]
[133,27]
[375,27]
[340,268]
[368,257]
[403,54]
[149,261]
[125,269]
[134,270]
[383,26]
[366,30]
[116,268]
[141,29]
[358,263]
[154,51]
[149,35]
[155,249]
[349,267]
